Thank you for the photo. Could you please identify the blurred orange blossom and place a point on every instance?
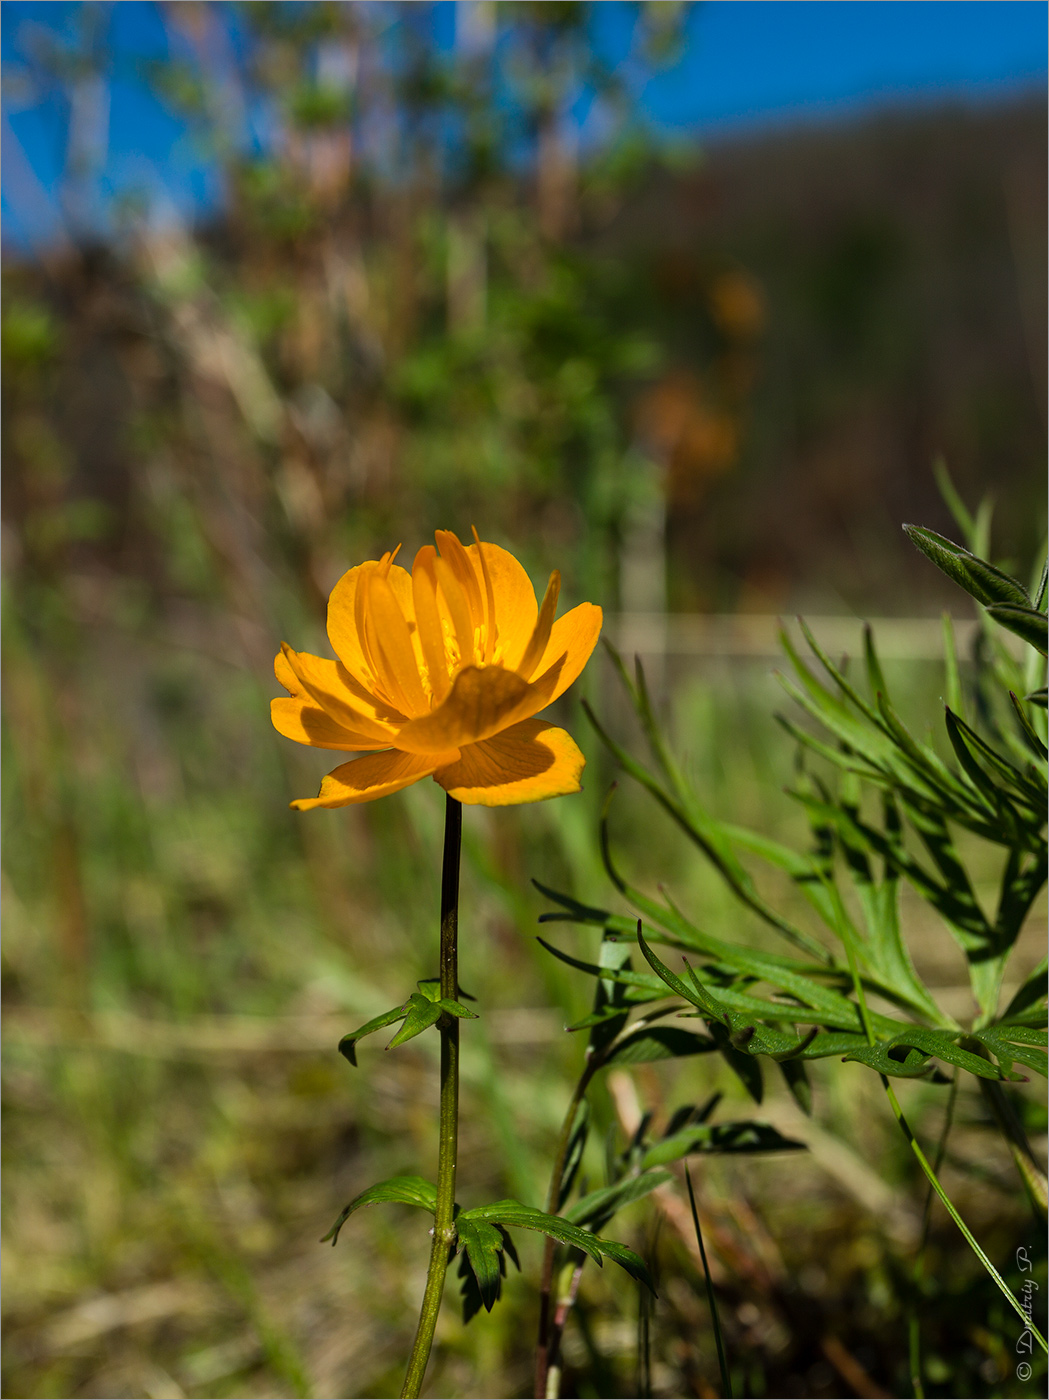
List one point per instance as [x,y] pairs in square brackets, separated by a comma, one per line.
[439,672]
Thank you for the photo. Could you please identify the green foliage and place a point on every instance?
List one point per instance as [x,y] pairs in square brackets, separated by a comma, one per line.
[892,796]
[422,1010]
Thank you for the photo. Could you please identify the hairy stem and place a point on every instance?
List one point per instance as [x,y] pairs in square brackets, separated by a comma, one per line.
[444,1217]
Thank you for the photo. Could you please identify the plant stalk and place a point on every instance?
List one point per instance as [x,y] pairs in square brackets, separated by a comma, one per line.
[546,1345]
[448,1026]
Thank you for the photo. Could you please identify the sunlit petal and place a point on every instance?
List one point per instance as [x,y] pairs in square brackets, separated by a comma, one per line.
[572,640]
[541,632]
[526,763]
[396,658]
[374,775]
[428,621]
[462,567]
[515,607]
[300,719]
[481,702]
[325,682]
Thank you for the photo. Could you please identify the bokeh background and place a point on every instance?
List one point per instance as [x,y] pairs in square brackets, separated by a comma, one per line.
[684,300]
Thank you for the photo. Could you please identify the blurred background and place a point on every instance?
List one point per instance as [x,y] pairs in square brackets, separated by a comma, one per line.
[684,300]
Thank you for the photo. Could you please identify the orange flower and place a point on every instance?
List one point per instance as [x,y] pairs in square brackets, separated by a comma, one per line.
[439,672]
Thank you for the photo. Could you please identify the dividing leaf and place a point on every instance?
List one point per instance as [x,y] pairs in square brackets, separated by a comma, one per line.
[513,1213]
[598,1207]
[404,1190]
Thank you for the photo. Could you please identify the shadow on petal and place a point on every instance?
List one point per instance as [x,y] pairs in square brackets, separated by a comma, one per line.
[528,762]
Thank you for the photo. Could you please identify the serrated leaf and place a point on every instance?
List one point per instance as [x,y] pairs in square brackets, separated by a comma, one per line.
[482,1245]
[922,1042]
[1016,1044]
[987,584]
[695,994]
[657,1043]
[598,1207]
[403,1190]
[516,1215]
[422,1014]
[1032,626]
[378,1023]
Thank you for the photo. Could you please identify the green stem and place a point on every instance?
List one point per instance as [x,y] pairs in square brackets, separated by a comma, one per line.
[914,1328]
[726,1379]
[933,1179]
[546,1343]
[444,1216]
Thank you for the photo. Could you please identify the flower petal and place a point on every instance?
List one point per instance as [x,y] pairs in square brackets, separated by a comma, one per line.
[428,621]
[343,631]
[300,719]
[374,775]
[330,686]
[452,550]
[572,639]
[390,645]
[481,702]
[526,763]
[541,634]
[515,607]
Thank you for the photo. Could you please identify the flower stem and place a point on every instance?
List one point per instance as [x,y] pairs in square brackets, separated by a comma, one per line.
[444,1216]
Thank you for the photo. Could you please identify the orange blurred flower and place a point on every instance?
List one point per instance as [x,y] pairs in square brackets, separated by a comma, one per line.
[439,672]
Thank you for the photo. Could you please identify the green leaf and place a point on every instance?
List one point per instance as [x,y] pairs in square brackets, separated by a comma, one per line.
[422,1014]
[348,1042]
[1016,1044]
[797,1077]
[1030,993]
[1039,697]
[514,1214]
[982,580]
[1030,738]
[919,1043]
[695,994]
[1032,626]
[482,1244]
[657,1043]
[404,1190]
[598,1207]
[457,1009]
[730,1138]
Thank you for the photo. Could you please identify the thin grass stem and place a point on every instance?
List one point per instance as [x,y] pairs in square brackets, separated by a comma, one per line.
[444,1216]
[726,1379]
[914,1324]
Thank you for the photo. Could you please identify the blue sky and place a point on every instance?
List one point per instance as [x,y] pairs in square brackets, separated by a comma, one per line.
[747,65]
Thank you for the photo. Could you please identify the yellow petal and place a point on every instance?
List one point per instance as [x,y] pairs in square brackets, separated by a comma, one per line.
[541,633]
[428,621]
[491,629]
[286,676]
[344,632]
[330,686]
[300,719]
[374,775]
[572,639]
[458,607]
[462,567]
[390,645]
[526,763]
[481,702]
[515,607]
